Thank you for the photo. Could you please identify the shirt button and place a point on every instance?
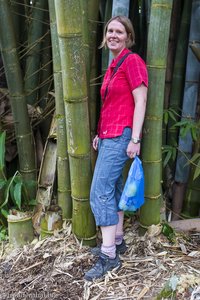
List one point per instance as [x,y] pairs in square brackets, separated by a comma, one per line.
[104,132]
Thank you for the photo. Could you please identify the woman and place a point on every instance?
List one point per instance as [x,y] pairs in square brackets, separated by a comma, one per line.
[124,95]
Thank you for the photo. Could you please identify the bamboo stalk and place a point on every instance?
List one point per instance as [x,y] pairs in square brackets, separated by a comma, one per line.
[106,15]
[63,173]
[18,10]
[134,16]
[190,96]
[179,76]
[191,202]
[35,32]
[152,140]
[77,116]
[24,135]
[93,14]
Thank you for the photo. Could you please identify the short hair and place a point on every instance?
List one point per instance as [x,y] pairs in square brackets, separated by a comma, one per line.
[126,22]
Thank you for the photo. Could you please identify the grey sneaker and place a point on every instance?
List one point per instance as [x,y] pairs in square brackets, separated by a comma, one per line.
[102,266]
[120,249]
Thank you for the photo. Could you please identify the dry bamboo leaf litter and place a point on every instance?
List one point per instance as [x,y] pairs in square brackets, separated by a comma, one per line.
[53,268]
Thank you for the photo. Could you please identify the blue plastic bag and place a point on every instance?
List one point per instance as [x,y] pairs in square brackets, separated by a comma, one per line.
[132,196]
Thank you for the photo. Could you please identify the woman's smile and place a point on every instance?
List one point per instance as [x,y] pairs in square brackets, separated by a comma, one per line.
[116,37]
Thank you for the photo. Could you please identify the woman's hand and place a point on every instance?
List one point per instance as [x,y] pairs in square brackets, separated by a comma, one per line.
[95,142]
[133,149]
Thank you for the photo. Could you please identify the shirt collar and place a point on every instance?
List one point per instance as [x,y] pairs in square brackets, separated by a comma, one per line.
[115,60]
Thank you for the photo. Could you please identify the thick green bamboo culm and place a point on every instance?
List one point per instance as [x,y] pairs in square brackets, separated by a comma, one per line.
[35,32]
[18,10]
[93,18]
[179,74]
[77,116]
[46,78]
[23,132]
[63,174]
[85,31]
[191,202]
[106,15]
[157,47]
[93,14]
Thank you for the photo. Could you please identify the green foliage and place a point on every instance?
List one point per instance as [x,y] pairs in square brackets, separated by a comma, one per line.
[185,126]
[169,113]
[168,231]
[195,160]
[188,126]
[3,234]
[16,193]
[169,290]
[169,152]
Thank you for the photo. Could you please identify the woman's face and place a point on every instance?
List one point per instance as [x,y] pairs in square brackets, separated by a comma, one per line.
[116,37]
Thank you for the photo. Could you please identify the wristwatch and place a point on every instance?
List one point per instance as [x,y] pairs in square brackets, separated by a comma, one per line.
[135,140]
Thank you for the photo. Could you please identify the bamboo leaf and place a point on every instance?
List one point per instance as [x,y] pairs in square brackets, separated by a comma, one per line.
[172,116]
[11,190]
[184,130]
[195,157]
[197,170]
[167,158]
[165,117]
[4,212]
[174,153]
[7,191]
[18,194]
[194,133]
[2,183]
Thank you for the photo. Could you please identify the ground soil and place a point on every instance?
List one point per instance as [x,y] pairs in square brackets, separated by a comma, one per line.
[53,268]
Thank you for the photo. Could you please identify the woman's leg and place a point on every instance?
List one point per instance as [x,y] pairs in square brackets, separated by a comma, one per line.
[119,229]
[108,240]
[109,165]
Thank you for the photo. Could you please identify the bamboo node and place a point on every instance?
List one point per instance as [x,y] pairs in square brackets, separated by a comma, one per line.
[24,135]
[80,199]
[79,155]
[28,171]
[76,100]
[87,238]
[160,5]
[156,67]
[151,161]
[153,118]
[60,159]
[146,226]
[153,197]
[64,190]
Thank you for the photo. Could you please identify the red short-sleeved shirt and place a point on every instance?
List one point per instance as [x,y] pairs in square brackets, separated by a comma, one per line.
[118,106]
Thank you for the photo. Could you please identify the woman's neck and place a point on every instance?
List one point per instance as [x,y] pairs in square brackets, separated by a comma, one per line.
[116,54]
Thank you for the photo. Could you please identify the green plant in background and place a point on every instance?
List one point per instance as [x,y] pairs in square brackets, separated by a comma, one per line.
[16,194]
[169,152]
[168,231]
[3,233]
[188,126]
[170,113]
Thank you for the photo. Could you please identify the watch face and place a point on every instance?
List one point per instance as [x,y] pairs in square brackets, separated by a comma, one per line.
[135,140]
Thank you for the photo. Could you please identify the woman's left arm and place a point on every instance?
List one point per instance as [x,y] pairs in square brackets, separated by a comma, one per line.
[140,98]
